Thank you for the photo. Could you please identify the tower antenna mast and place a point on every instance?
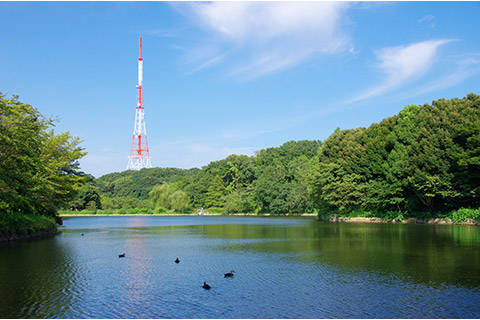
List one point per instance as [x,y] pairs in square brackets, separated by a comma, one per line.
[139,156]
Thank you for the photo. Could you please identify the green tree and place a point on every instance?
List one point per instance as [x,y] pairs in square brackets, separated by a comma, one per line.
[239,201]
[341,173]
[87,195]
[160,196]
[434,165]
[39,170]
[169,197]
[179,201]
[216,193]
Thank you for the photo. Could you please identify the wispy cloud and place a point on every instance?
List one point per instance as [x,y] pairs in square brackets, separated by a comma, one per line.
[426,18]
[403,64]
[266,37]
[463,69]
[207,64]
[428,21]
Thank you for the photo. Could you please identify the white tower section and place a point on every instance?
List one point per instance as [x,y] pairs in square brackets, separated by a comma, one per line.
[139,155]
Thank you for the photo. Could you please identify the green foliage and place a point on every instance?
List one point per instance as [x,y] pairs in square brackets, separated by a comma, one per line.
[39,170]
[340,174]
[133,211]
[440,171]
[180,201]
[130,189]
[216,193]
[159,210]
[123,203]
[422,160]
[24,224]
[464,214]
[215,210]
[239,201]
[281,184]
[169,197]
[87,196]
[138,184]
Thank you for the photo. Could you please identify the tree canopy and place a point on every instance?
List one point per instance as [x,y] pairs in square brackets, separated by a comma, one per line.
[424,159]
[39,170]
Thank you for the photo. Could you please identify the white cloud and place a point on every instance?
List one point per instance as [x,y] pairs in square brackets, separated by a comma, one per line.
[403,64]
[464,69]
[268,36]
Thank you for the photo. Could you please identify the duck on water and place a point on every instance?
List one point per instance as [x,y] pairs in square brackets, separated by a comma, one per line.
[229,274]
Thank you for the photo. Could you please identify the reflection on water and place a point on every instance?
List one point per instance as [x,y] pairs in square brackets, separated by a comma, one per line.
[285,268]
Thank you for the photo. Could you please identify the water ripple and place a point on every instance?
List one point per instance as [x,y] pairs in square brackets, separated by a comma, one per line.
[283,269]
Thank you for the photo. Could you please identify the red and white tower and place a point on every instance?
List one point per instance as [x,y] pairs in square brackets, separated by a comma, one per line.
[139,156]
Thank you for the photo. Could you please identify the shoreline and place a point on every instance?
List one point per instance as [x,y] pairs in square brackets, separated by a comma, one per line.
[186,215]
[14,238]
[437,221]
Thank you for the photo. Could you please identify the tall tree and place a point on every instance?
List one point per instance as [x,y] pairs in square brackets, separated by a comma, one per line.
[39,170]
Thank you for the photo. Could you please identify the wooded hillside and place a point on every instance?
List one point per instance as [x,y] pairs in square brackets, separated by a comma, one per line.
[425,159]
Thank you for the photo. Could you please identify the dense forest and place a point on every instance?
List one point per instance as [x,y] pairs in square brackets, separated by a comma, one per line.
[425,162]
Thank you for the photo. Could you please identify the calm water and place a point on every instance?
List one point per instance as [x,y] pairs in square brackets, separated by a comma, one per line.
[285,268]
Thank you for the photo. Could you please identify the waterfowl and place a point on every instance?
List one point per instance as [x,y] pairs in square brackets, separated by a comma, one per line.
[121,255]
[206,286]
[229,274]
[177,261]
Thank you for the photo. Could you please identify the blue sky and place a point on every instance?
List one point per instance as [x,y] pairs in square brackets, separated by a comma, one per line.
[225,78]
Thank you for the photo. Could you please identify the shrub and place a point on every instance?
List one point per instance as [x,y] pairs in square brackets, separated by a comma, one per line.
[236,202]
[22,224]
[133,211]
[215,210]
[121,211]
[159,210]
[463,214]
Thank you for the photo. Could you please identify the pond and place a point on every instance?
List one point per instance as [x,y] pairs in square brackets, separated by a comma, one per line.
[284,268]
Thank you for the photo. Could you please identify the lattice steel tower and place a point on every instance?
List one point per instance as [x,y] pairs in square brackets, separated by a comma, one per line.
[139,156]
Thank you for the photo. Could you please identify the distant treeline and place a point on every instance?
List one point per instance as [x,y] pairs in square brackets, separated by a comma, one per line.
[423,161]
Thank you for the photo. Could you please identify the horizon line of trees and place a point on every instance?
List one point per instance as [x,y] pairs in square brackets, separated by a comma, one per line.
[424,159]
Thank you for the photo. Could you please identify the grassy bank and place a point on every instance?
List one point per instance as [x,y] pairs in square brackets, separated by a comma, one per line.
[14,226]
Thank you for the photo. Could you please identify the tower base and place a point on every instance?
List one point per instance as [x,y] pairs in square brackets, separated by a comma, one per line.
[137,163]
